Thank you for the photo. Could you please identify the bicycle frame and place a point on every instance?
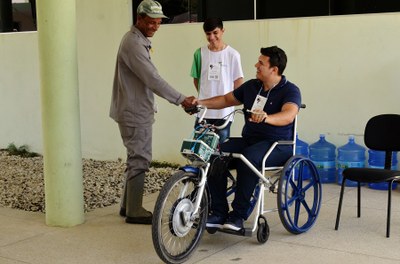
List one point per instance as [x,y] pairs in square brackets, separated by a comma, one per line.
[265,182]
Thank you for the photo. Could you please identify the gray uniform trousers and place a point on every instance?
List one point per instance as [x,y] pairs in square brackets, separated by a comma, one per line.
[138,143]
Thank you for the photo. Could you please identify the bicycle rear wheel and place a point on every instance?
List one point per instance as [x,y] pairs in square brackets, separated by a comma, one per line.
[176,232]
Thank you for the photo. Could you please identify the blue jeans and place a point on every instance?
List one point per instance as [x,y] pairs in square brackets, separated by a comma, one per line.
[247,180]
[223,133]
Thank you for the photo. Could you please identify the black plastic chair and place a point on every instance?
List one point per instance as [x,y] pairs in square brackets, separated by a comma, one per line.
[382,132]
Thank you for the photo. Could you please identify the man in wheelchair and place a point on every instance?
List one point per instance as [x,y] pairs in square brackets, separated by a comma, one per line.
[272,103]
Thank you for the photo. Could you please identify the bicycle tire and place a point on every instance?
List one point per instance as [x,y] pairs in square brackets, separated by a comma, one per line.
[175,236]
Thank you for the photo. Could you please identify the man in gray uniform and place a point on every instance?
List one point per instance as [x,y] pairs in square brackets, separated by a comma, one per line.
[136,81]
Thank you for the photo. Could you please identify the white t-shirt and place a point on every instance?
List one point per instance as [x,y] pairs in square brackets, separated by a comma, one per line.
[218,71]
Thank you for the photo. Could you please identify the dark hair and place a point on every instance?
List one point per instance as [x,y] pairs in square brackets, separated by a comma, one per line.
[212,23]
[277,57]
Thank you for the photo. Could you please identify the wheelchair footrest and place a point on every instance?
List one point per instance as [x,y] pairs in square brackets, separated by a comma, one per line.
[242,232]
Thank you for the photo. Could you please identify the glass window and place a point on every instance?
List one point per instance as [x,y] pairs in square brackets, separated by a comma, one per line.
[184,11]
[342,7]
[177,11]
[289,8]
[17,15]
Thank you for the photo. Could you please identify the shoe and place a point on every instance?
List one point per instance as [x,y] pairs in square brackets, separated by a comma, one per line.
[144,220]
[233,223]
[215,221]
[122,212]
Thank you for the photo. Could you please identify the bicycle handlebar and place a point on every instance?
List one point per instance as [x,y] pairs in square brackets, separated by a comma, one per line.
[197,108]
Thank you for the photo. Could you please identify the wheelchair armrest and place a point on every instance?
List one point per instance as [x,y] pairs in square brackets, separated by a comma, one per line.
[281,142]
[240,156]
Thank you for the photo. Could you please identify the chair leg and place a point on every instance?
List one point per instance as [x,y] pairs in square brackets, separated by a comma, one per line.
[358,199]
[340,204]
[389,208]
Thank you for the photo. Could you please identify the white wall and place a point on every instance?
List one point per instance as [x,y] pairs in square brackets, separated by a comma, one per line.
[20,115]
[101,25]
[346,67]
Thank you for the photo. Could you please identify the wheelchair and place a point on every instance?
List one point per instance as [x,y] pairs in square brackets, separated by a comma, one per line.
[182,207]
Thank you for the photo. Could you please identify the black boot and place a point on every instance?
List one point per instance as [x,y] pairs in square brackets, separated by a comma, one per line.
[135,213]
[122,210]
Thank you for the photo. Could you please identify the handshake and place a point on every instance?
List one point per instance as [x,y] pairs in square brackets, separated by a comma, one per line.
[189,105]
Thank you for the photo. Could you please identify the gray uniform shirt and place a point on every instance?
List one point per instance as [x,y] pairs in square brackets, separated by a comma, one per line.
[136,80]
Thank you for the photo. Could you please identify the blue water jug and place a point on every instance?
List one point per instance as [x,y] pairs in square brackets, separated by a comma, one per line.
[350,155]
[376,159]
[323,154]
[302,150]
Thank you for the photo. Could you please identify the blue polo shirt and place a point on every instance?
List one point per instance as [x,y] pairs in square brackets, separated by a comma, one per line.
[283,92]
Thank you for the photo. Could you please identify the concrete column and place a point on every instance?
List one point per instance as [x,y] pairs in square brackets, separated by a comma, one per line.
[60,112]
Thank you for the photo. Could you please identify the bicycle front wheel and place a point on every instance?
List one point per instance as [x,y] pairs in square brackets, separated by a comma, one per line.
[176,231]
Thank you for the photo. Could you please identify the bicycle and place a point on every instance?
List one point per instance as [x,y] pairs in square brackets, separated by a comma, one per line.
[181,209]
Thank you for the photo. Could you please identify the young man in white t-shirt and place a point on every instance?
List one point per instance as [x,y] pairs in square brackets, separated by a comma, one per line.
[216,70]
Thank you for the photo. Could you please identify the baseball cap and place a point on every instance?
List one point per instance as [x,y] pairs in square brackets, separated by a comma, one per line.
[151,8]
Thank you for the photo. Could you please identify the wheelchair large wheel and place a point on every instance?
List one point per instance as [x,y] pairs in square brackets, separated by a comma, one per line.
[176,232]
[299,195]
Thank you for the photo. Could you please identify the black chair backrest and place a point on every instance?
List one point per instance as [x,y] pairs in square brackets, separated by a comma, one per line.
[382,132]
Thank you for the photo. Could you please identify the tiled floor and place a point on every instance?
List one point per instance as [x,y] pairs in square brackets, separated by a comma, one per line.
[105,238]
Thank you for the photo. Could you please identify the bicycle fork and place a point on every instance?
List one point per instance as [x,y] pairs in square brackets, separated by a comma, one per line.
[193,215]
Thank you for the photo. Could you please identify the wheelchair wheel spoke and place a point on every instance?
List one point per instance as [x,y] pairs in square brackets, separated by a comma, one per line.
[308,186]
[295,186]
[306,207]
[291,201]
[297,212]
[300,172]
